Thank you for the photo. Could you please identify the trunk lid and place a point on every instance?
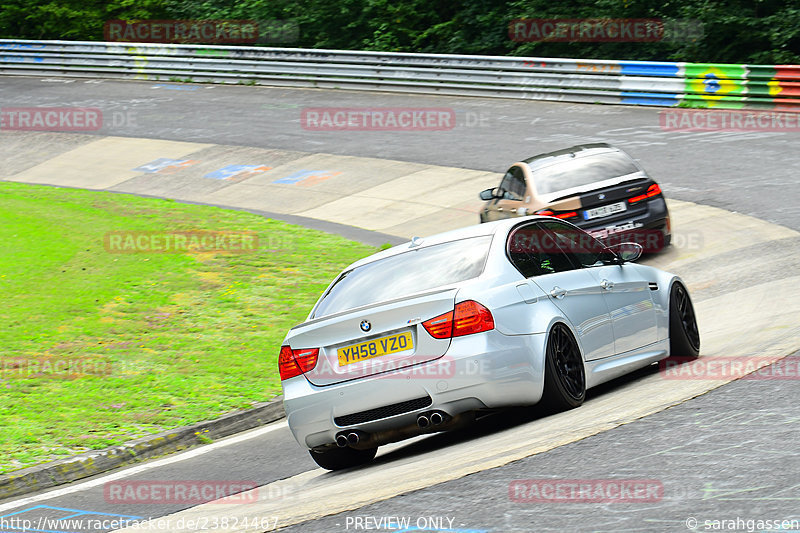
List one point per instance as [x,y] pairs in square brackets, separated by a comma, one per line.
[350,343]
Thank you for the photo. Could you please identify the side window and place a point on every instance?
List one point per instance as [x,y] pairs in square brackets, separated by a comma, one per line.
[534,251]
[513,184]
[583,249]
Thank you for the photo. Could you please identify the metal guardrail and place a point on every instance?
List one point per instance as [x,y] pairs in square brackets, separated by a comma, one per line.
[572,80]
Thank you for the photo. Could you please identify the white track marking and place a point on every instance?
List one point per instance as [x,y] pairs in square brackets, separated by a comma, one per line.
[70,489]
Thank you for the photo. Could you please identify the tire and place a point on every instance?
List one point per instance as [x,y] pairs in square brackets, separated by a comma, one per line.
[684,336]
[564,374]
[341,458]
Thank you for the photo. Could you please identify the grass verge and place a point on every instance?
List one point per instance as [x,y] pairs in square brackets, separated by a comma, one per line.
[98,347]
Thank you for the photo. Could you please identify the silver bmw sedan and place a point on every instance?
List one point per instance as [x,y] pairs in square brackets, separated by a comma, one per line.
[422,337]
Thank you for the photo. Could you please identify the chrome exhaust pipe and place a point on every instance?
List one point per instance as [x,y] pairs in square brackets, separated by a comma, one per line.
[352,438]
[436,418]
[341,440]
[423,421]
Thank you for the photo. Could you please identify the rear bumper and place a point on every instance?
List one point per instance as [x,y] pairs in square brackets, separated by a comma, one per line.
[487,370]
[649,228]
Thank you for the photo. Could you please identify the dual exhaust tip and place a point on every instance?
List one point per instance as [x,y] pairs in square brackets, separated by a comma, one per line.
[424,421]
[434,418]
[343,440]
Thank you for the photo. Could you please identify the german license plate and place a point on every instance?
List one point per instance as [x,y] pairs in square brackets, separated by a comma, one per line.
[604,211]
[375,348]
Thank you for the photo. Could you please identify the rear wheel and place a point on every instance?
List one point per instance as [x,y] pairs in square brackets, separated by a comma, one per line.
[341,458]
[564,376]
[684,336]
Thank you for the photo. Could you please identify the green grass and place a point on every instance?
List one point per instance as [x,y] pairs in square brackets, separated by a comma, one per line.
[156,340]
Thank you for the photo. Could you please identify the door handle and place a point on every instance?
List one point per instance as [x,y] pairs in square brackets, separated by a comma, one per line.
[607,285]
[558,293]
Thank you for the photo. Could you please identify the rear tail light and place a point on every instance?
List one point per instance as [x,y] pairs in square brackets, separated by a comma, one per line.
[292,363]
[653,190]
[567,215]
[467,318]
[549,213]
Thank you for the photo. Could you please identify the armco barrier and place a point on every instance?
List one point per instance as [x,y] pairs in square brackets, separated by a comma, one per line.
[572,80]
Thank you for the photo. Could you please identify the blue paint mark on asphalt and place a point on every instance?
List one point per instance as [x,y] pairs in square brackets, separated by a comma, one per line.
[232,170]
[307,177]
[160,164]
[297,176]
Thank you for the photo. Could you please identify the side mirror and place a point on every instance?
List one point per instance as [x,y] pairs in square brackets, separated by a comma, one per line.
[628,252]
[488,194]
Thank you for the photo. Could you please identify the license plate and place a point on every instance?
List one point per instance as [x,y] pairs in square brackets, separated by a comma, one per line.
[375,348]
[604,210]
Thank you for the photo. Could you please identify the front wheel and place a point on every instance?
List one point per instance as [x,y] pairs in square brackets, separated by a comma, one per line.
[341,458]
[684,336]
[564,376]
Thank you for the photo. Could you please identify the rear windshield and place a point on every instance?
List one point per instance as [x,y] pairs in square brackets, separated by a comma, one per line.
[408,273]
[582,171]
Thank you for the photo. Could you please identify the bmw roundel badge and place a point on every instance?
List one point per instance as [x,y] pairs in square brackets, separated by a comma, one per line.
[365,325]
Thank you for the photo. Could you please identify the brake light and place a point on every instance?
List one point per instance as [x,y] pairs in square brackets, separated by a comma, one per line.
[653,190]
[467,318]
[292,363]
[471,317]
[549,213]
[440,327]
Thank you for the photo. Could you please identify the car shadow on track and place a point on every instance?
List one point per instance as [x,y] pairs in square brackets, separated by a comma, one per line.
[500,420]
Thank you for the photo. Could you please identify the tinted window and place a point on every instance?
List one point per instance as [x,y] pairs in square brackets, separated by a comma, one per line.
[581,171]
[534,251]
[513,184]
[408,273]
[583,249]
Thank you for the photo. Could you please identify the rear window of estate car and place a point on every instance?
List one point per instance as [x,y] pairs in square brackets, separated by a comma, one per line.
[405,274]
[582,171]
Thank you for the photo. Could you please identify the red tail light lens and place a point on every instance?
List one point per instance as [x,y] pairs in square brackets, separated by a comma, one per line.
[468,317]
[549,213]
[440,327]
[471,317]
[292,363]
[567,215]
[653,190]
